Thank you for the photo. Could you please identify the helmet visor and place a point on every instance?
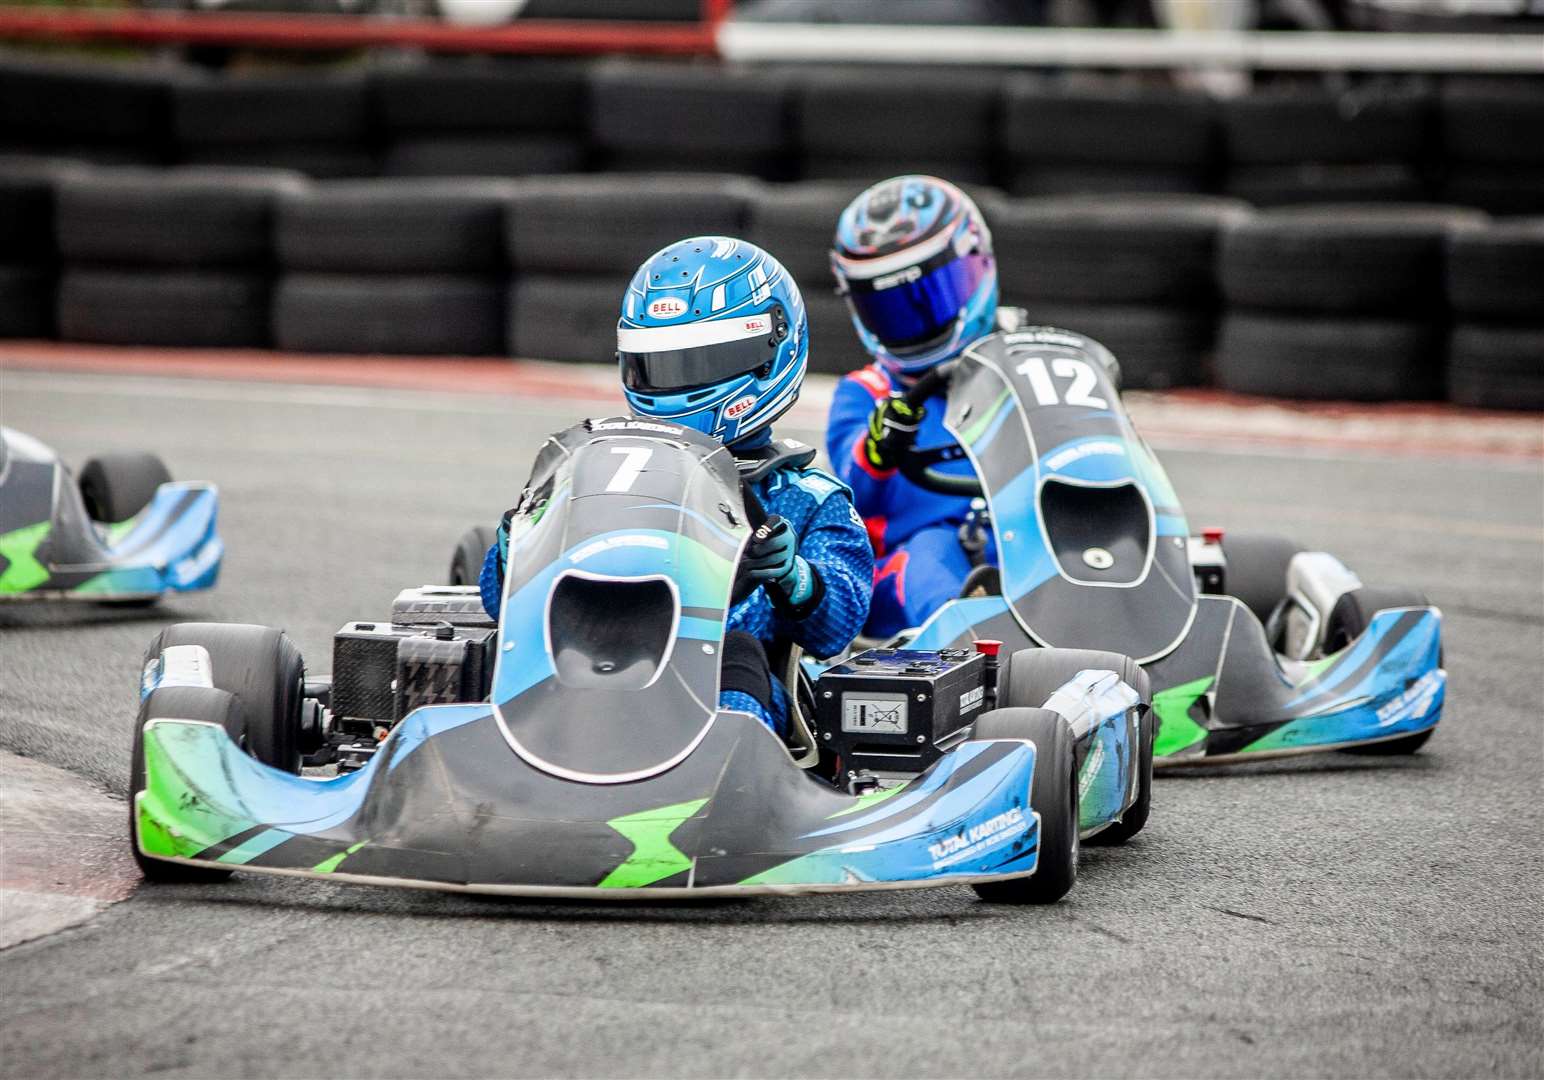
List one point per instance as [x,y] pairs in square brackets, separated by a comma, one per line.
[662,359]
[912,308]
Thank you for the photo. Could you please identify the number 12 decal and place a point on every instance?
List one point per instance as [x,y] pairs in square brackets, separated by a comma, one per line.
[1079,371]
[636,457]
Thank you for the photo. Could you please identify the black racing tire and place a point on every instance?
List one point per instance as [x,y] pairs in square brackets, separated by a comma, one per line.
[27,206]
[483,94]
[471,550]
[84,101]
[834,346]
[26,301]
[1350,616]
[1354,611]
[1030,676]
[871,115]
[798,222]
[318,161]
[563,317]
[185,703]
[1160,347]
[415,314]
[394,226]
[262,667]
[1105,125]
[115,487]
[968,172]
[1053,796]
[1496,366]
[1497,272]
[1497,189]
[1300,124]
[486,155]
[331,109]
[1348,259]
[180,308]
[1310,183]
[1159,250]
[1257,569]
[197,216]
[1039,178]
[1329,358]
[676,109]
[603,225]
[1490,122]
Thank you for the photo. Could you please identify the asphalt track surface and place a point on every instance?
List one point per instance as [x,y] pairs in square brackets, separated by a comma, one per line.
[1323,916]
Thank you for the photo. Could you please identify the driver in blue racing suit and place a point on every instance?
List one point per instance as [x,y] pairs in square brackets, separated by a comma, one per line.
[913,257]
[713,336]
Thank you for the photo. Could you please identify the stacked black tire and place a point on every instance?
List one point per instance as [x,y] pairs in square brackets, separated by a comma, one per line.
[176,257]
[1073,138]
[1491,146]
[1302,145]
[315,124]
[1495,286]
[1338,302]
[488,117]
[96,112]
[392,266]
[28,263]
[1134,272]
[575,243]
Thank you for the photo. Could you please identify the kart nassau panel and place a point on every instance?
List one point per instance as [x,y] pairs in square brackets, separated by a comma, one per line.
[50,547]
[621,568]
[1223,692]
[1090,536]
[445,804]
[1104,715]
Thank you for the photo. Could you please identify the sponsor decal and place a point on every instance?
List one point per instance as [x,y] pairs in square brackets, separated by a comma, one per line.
[900,277]
[971,699]
[633,540]
[1414,702]
[1091,768]
[1062,458]
[668,307]
[740,408]
[635,425]
[1046,337]
[200,562]
[981,837]
[756,324]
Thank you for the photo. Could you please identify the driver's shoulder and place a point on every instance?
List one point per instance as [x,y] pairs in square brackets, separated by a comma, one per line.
[804,484]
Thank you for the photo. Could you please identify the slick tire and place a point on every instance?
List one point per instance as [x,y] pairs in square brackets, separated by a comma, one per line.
[115,487]
[263,669]
[185,703]
[1055,124]
[1053,796]
[797,221]
[471,551]
[414,314]
[271,109]
[1497,272]
[26,302]
[562,317]
[1257,569]
[1283,127]
[1160,347]
[1328,359]
[670,110]
[191,308]
[1351,615]
[1496,366]
[483,95]
[486,156]
[1315,183]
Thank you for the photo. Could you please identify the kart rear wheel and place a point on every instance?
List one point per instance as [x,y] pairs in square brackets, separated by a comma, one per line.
[1351,615]
[1257,569]
[471,550]
[185,703]
[115,487]
[1053,795]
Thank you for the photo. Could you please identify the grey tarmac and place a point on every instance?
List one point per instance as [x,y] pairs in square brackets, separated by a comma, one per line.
[1336,916]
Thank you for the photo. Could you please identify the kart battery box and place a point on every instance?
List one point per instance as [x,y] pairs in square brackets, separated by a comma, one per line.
[459,605]
[898,710]
[383,671]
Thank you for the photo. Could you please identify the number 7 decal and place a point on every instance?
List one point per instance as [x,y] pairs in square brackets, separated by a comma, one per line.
[636,457]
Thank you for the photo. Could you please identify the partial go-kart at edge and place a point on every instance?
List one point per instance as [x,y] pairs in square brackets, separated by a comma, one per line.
[576,748]
[1255,648]
[124,533]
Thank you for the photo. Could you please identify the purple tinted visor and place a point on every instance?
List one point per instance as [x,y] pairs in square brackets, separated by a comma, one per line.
[912,308]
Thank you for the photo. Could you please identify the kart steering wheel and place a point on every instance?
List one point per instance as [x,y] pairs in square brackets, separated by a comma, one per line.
[918,466]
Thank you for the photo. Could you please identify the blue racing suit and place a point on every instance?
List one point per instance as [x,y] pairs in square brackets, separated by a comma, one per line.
[915,532]
[833,543]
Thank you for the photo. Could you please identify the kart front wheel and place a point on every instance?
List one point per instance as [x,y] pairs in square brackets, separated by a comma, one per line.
[467,563]
[115,487]
[1257,570]
[1053,795]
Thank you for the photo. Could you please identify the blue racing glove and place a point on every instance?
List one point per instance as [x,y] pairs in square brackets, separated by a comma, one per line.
[772,559]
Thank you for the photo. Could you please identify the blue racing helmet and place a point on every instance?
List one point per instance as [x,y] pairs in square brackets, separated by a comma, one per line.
[913,256]
[713,336]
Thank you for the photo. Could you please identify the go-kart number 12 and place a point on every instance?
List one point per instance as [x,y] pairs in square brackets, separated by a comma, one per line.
[881,713]
[1079,371]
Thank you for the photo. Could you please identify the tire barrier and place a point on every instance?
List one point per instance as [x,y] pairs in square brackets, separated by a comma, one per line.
[319,125]
[1330,302]
[1489,147]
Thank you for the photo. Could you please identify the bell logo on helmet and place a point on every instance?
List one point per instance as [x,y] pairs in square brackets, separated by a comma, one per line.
[757,324]
[668,307]
[740,408]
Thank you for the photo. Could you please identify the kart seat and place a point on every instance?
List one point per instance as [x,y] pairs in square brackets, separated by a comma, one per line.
[785,659]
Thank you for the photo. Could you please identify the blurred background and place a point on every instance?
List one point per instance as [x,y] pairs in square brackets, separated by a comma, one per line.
[1339,199]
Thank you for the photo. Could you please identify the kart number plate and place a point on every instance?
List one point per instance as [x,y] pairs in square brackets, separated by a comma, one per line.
[874,713]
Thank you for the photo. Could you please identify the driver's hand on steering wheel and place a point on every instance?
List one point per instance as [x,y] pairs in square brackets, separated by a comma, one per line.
[892,429]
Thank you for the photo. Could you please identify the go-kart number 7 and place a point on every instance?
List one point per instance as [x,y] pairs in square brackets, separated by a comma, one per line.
[1079,371]
[633,461]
